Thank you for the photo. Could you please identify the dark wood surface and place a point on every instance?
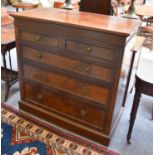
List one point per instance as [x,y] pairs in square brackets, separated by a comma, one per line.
[143,85]
[137,45]
[97,6]
[70,68]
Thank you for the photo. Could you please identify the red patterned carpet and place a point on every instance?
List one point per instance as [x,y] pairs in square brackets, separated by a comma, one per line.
[24,135]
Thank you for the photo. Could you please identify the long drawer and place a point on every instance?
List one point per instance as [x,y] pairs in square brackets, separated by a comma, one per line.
[93,71]
[70,85]
[65,106]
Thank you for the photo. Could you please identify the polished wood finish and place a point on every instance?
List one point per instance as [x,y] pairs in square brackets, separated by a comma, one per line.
[144,10]
[98,72]
[6,19]
[100,23]
[25,5]
[7,43]
[97,6]
[7,31]
[77,111]
[68,84]
[143,85]
[71,79]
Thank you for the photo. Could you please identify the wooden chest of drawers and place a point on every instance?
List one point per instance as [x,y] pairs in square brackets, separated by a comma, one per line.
[69,68]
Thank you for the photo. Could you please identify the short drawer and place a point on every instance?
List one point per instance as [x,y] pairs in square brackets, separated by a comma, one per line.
[90,50]
[39,38]
[84,68]
[67,84]
[65,106]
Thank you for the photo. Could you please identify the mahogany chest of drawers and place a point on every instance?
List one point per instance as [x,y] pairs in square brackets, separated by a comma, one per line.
[69,68]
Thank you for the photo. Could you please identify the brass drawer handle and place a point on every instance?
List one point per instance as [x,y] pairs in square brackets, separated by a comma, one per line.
[38,38]
[84,90]
[40,96]
[82,112]
[87,68]
[39,55]
[89,49]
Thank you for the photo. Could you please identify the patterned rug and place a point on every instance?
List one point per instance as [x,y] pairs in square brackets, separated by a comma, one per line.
[24,135]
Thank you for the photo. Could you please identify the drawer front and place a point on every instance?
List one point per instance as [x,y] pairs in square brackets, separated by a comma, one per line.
[39,38]
[90,50]
[67,84]
[72,32]
[89,69]
[65,106]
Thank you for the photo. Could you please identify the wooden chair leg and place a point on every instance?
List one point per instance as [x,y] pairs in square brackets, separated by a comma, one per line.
[7,88]
[133,114]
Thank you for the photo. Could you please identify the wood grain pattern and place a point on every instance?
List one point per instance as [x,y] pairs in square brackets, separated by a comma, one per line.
[39,39]
[90,50]
[78,111]
[72,76]
[82,67]
[7,34]
[111,24]
[68,84]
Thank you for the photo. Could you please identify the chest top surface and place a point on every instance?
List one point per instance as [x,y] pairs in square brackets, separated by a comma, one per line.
[92,21]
